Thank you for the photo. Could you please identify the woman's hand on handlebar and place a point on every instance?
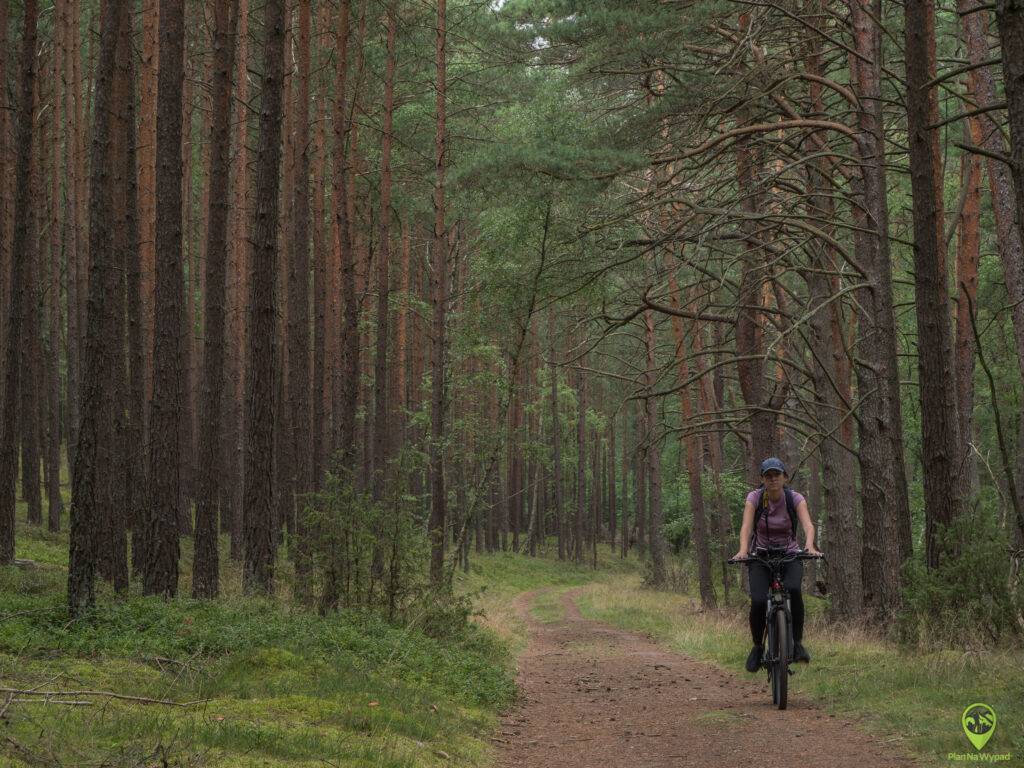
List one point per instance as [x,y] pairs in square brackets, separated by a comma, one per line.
[813,550]
[741,555]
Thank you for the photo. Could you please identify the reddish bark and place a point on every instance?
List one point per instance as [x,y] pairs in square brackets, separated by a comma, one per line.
[693,450]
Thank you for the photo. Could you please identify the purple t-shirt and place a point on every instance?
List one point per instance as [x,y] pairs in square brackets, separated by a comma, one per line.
[774,528]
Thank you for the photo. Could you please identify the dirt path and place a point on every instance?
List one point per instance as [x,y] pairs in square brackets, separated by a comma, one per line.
[599,697]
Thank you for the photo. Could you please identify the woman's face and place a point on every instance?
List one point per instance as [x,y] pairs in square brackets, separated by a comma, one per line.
[773,480]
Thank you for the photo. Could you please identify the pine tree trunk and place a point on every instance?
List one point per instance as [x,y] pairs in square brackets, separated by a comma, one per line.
[115,372]
[302,440]
[147,188]
[440,301]
[5,254]
[693,451]
[612,491]
[556,440]
[21,256]
[53,295]
[581,470]
[69,46]
[975,23]
[135,454]
[258,573]
[968,255]
[205,566]
[237,295]
[653,457]
[160,570]
[90,481]
[348,376]
[942,451]
[883,493]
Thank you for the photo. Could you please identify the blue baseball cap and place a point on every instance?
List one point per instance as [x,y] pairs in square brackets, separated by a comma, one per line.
[773,463]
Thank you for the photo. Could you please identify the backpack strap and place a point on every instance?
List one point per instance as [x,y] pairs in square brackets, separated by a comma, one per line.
[790,507]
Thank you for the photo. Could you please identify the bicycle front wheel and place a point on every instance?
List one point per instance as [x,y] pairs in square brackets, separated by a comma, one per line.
[780,674]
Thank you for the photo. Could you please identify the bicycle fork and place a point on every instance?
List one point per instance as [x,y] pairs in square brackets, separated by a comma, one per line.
[778,601]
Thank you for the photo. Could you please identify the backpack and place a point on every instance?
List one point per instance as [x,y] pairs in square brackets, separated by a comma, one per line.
[760,508]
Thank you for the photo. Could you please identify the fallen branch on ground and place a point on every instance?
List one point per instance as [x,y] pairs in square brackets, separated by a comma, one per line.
[107,694]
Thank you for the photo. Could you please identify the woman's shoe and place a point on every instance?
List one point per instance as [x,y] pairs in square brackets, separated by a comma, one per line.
[800,654]
[754,659]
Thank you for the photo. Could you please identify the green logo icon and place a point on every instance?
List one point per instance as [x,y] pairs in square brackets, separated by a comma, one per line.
[979,722]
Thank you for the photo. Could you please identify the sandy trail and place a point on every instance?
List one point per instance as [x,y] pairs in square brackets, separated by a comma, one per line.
[599,697]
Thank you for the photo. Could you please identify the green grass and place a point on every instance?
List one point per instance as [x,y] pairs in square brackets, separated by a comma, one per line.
[283,687]
[910,699]
[278,686]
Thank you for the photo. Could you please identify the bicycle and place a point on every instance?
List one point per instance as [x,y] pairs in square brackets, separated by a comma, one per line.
[779,625]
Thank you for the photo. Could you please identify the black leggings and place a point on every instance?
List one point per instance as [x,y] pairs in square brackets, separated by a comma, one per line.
[760,578]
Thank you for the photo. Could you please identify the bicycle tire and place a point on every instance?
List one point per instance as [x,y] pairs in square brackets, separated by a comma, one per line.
[780,678]
[771,650]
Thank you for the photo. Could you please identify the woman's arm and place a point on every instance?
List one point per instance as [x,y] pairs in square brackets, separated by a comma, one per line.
[805,520]
[745,529]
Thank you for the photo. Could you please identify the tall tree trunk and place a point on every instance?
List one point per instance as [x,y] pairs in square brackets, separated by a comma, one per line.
[581,469]
[147,186]
[975,23]
[72,96]
[693,451]
[135,446]
[205,565]
[258,573]
[91,481]
[29,342]
[321,390]
[640,471]
[556,439]
[5,254]
[844,541]
[624,506]
[942,451]
[238,292]
[612,490]
[160,571]
[115,372]
[302,440]
[761,405]
[22,253]
[345,413]
[381,438]
[439,347]
[53,294]
[883,483]
[968,255]
[653,456]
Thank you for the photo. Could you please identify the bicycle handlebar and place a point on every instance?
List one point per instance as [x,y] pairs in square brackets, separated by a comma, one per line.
[801,555]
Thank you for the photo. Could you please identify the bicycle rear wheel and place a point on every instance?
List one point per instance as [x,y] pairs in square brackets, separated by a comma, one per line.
[780,674]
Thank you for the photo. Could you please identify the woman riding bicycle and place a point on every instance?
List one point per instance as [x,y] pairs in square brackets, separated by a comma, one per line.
[780,507]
